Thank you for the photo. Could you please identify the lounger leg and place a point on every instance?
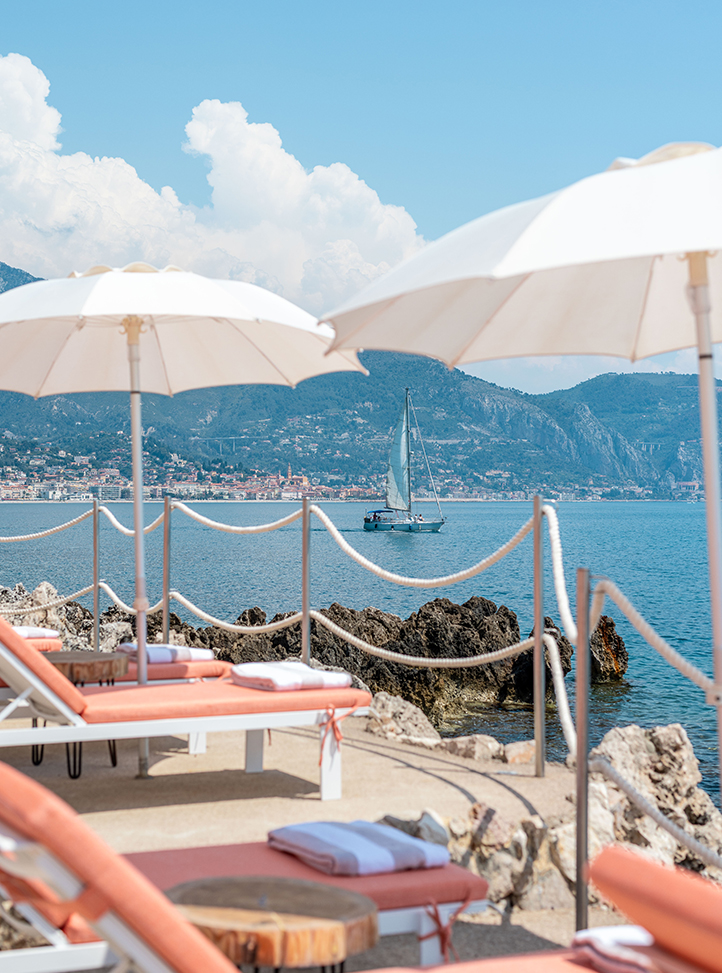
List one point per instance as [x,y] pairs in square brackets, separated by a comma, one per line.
[37,752]
[113,751]
[330,767]
[74,759]
[254,751]
[429,949]
[196,743]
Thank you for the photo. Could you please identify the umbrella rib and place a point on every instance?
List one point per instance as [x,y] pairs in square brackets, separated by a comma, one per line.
[161,356]
[491,317]
[67,338]
[643,309]
[253,344]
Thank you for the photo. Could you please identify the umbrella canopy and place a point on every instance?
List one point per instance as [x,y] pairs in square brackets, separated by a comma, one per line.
[592,269]
[63,336]
[623,263]
[81,334]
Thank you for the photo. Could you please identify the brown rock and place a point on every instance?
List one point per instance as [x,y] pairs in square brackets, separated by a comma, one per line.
[521,752]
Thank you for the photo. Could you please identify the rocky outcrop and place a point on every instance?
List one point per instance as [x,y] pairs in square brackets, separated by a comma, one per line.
[609,653]
[439,629]
[531,863]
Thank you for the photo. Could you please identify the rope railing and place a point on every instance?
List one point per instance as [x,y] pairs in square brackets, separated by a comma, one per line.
[607,588]
[560,584]
[560,691]
[228,627]
[128,531]
[601,765]
[400,579]
[46,533]
[234,529]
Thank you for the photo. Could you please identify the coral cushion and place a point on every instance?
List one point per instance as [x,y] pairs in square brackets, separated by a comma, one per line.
[555,961]
[120,704]
[41,645]
[111,883]
[683,911]
[45,645]
[44,670]
[211,669]
[397,890]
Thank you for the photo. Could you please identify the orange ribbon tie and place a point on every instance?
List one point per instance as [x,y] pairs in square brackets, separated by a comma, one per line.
[443,929]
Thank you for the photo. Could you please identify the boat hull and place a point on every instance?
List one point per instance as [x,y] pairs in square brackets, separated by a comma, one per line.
[409,525]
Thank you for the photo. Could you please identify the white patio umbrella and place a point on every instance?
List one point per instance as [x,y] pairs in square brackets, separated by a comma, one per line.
[78,334]
[625,263]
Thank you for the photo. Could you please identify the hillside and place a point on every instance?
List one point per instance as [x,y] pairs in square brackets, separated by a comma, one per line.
[623,431]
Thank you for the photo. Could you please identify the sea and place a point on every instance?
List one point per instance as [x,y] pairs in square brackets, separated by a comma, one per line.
[654,551]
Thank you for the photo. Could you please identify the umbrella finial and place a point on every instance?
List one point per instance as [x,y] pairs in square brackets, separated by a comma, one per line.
[132,326]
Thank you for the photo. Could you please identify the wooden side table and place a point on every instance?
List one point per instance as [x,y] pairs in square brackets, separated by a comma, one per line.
[81,666]
[279,922]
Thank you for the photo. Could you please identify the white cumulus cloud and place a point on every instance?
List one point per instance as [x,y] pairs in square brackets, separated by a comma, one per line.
[316,236]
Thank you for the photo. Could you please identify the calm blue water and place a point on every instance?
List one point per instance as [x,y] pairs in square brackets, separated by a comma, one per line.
[654,551]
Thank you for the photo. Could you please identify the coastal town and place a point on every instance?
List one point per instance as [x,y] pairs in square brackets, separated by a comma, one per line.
[31,471]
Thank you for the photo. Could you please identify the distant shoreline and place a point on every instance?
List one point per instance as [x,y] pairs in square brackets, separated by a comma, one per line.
[65,503]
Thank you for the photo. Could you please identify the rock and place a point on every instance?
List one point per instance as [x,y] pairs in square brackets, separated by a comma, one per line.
[489,831]
[521,752]
[609,653]
[396,719]
[476,747]
[113,633]
[431,828]
[547,888]
[660,763]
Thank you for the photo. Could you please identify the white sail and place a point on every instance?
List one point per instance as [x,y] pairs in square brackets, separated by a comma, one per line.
[398,483]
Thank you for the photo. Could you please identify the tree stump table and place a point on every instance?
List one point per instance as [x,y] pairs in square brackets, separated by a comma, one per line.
[279,922]
[84,665]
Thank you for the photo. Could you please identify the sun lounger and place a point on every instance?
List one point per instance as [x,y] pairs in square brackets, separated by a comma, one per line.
[681,910]
[48,853]
[179,671]
[40,645]
[402,898]
[193,709]
[94,908]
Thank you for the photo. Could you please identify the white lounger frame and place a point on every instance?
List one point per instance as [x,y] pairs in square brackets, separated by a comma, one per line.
[71,728]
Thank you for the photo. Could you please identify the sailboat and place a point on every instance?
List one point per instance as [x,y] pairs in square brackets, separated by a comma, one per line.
[397,514]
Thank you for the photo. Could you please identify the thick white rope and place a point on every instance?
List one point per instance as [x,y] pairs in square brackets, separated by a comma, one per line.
[560,691]
[128,531]
[419,582]
[46,533]
[49,604]
[241,629]
[420,660]
[601,765]
[230,529]
[670,655]
[560,584]
[122,605]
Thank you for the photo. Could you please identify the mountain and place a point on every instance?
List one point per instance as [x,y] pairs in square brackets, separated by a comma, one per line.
[615,432]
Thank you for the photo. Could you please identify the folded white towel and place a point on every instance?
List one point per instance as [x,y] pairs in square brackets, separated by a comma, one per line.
[625,949]
[287,676]
[32,632]
[158,654]
[358,848]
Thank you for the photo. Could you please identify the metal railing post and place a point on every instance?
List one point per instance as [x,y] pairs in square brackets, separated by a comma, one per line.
[306,584]
[166,570]
[582,719]
[539,668]
[96,577]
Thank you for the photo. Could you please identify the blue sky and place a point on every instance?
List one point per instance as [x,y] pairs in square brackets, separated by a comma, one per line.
[447,110]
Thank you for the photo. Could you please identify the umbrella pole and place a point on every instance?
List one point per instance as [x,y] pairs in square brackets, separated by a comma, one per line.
[699,299]
[132,327]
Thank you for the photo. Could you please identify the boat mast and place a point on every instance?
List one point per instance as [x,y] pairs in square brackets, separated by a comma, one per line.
[426,458]
[408,446]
